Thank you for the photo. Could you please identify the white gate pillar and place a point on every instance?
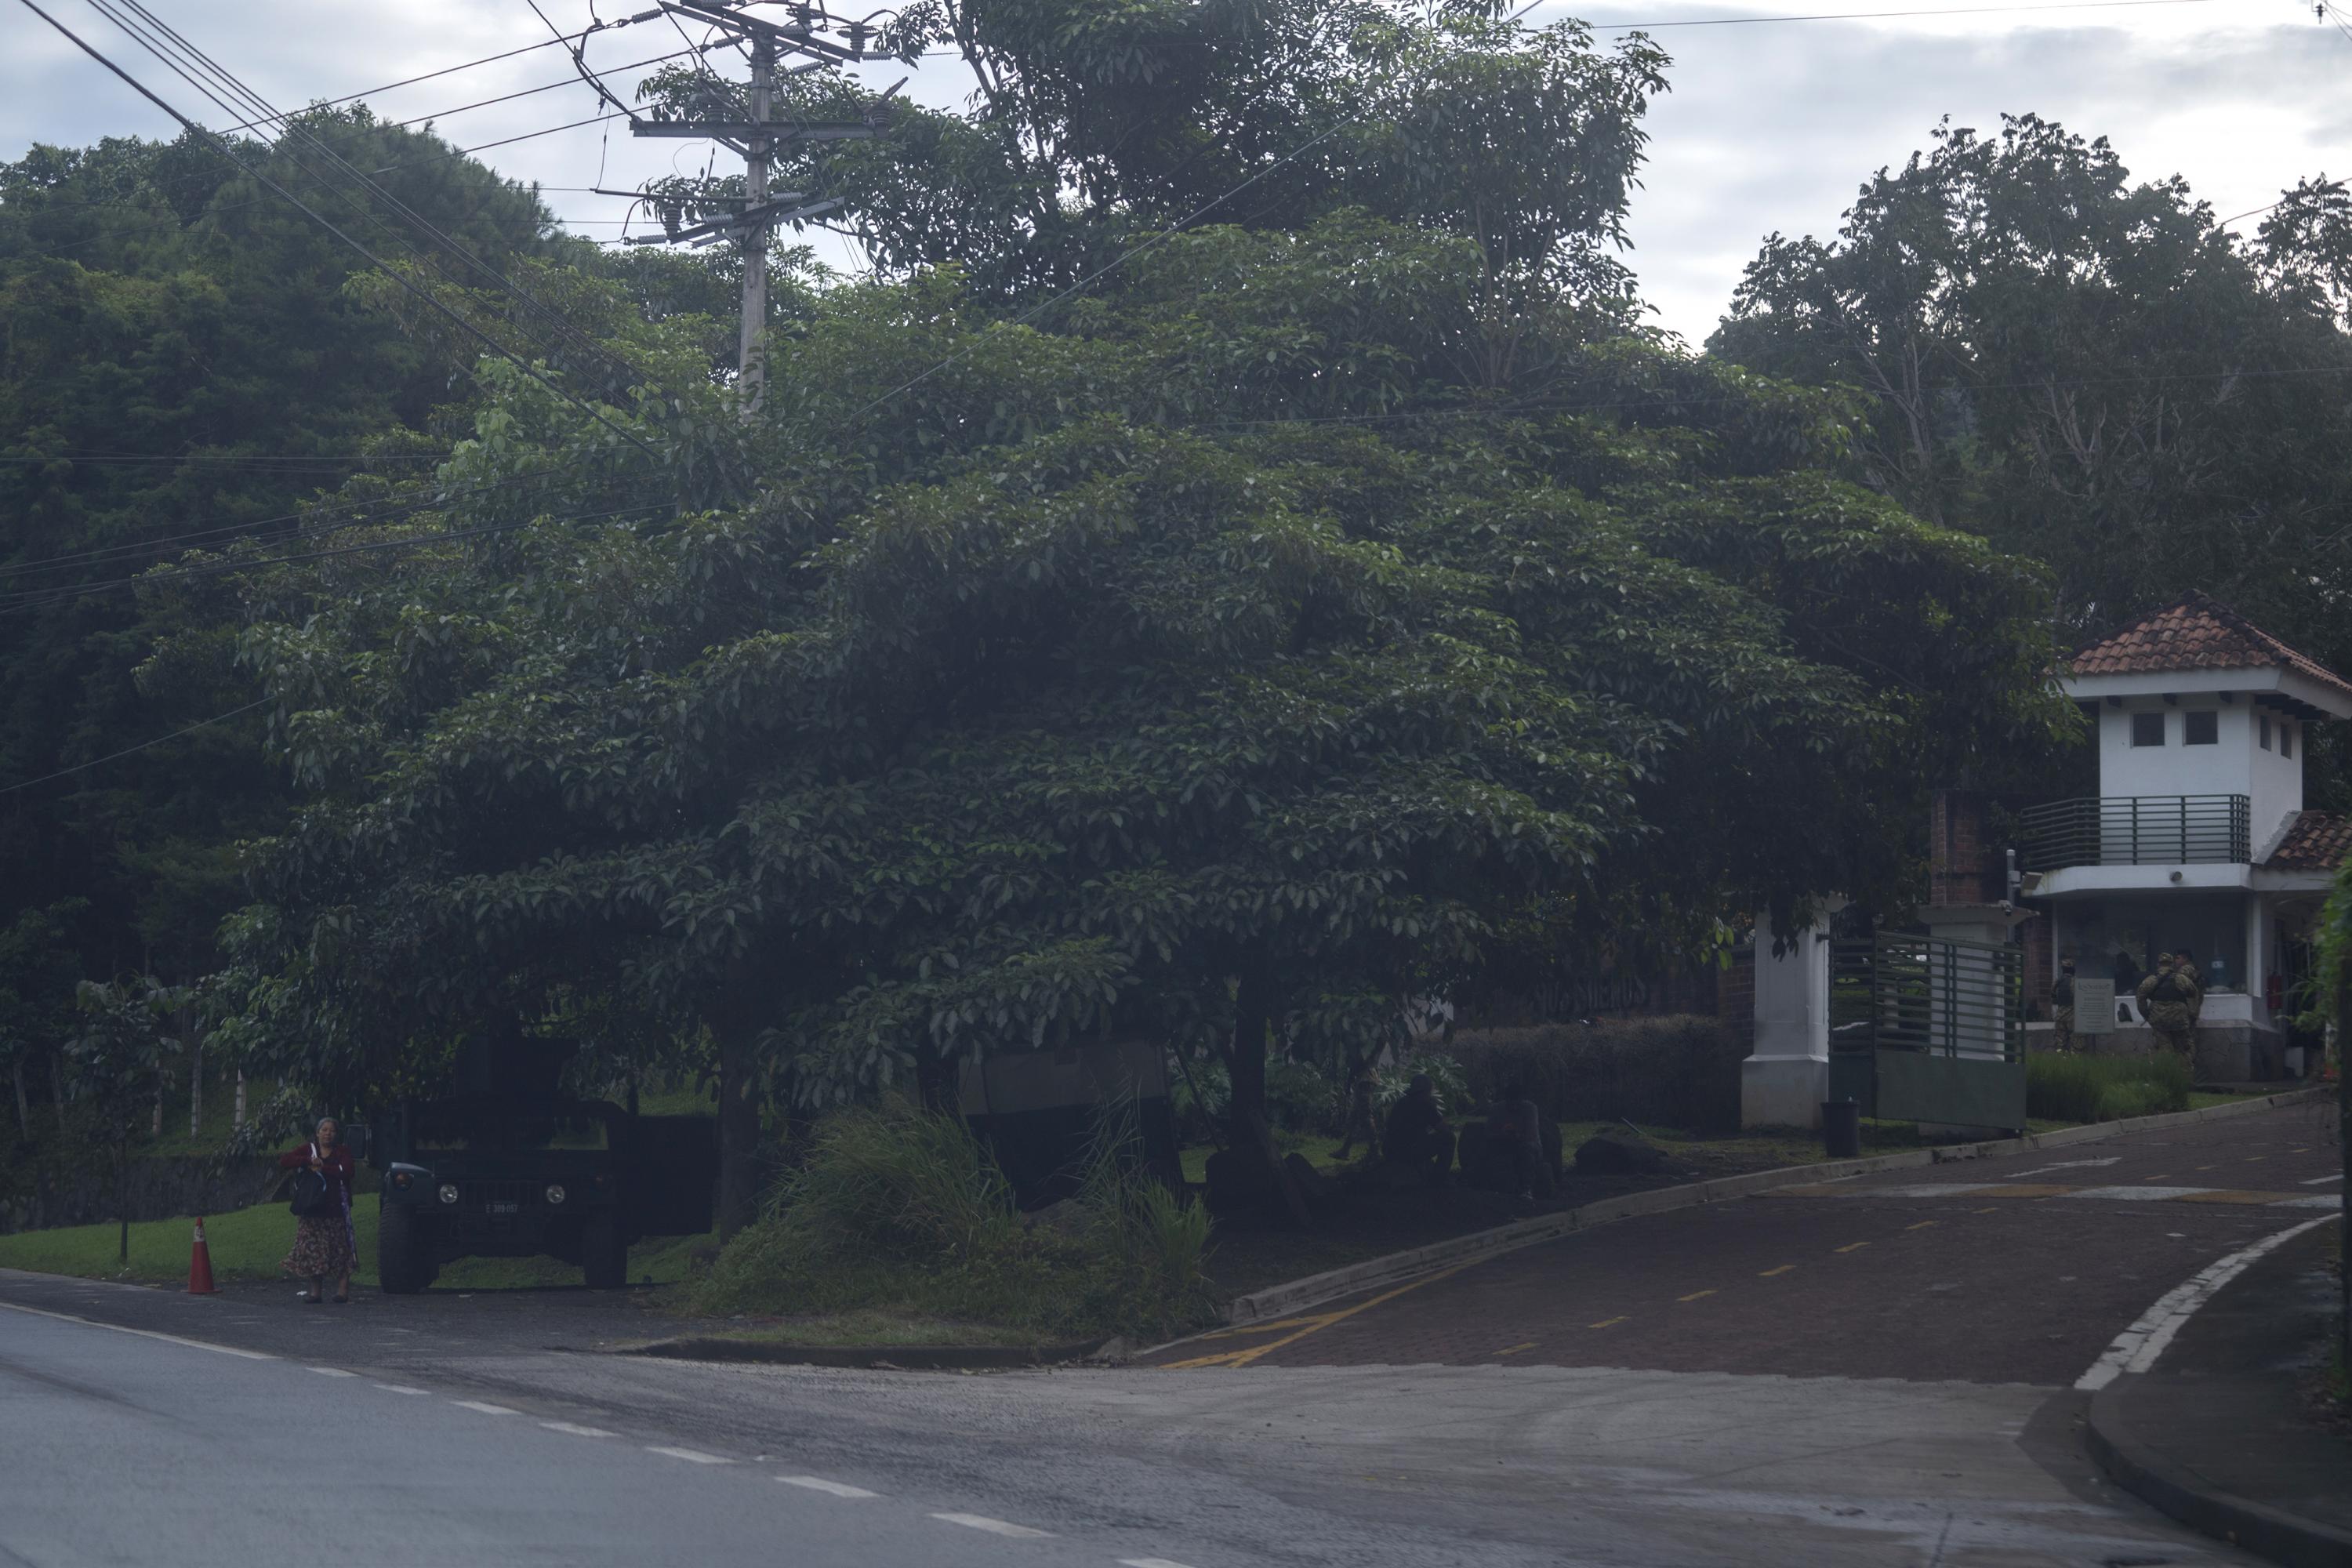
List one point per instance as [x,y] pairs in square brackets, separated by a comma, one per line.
[1787,1076]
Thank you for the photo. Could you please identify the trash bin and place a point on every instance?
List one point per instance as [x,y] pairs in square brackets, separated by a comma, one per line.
[1841,1129]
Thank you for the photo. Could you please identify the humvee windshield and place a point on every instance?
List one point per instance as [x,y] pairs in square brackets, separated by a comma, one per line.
[505,1129]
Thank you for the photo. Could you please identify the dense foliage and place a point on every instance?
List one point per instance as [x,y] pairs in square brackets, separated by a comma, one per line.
[2094,373]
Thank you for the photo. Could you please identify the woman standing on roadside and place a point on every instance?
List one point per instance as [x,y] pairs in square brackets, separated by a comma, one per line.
[322,1241]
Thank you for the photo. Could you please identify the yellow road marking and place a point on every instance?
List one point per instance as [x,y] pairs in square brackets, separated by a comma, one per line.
[1604,1323]
[1851,1247]
[1517,1349]
[2253,1159]
[1315,1319]
[1244,1357]
[2204,1167]
[2157,1177]
[1984,1210]
[1770,1272]
[1694,1295]
[1921,1226]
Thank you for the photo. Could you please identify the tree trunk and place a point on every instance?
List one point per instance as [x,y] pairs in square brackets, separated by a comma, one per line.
[236,1112]
[937,1084]
[1252,1132]
[156,1128]
[738,1124]
[58,1082]
[24,1105]
[197,1087]
[123,1198]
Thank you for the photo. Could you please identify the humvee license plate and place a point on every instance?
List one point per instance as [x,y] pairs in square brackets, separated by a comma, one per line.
[508,1205]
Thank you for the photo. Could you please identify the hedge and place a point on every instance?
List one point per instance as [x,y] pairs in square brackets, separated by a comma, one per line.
[1681,1071]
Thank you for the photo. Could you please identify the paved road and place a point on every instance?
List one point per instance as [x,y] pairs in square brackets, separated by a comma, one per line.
[2019,1270]
[1396,1446]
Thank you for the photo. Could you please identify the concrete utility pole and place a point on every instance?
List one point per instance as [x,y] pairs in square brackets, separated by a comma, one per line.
[701,219]
[752,362]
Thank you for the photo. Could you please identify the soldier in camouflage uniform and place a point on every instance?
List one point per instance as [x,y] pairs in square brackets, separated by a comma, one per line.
[2062,1008]
[2169,1000]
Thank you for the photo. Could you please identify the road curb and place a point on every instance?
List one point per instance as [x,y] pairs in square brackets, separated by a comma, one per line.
[1396,1268]
[2257,1527]
[890,1358]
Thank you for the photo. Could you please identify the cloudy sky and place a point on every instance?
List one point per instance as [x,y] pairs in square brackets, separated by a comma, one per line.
[1770,124]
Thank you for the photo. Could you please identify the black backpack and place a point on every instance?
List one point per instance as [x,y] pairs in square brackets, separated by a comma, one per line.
[310,1196]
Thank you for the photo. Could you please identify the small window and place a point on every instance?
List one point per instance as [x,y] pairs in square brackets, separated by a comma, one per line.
[2147,729]
[2286,739]
[2264,728]
[2201,727]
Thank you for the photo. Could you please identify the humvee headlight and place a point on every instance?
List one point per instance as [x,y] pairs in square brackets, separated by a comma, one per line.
[555,1193]
[448,1191]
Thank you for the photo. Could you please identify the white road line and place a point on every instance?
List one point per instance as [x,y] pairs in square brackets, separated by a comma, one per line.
[2323,1180]
[573,1429]
[141,1333]
[330,1372]
[2064,1165]
[2317,1201]
[1922,1190]
[1148,1562]
[485,1409]
[2140,1195]
[401,1388]
[2137,1348]
[993,1526]
[691,1456]
[819,1484]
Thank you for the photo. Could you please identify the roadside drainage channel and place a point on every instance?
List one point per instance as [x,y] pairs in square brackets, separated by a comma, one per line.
[1396,1268]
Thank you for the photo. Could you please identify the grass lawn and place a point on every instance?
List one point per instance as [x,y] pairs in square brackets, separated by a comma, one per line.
[248,1243]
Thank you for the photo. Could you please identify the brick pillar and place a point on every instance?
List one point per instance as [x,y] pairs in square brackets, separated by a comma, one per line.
[1961,867]
[2041,967]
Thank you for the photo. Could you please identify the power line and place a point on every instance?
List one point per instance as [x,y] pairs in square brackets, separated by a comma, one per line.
[38,599]
[1878,15]
[563,329]
[129,750]
[221,146]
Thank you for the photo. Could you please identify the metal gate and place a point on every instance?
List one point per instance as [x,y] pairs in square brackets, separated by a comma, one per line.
[1928,1029]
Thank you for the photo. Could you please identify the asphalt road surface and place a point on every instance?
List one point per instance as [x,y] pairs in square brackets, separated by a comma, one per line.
[1866,1375]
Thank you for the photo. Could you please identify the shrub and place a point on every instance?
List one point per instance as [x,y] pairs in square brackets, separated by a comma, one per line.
[1299,1098]
[1676,1071]
[901,1208]
[2063,1087]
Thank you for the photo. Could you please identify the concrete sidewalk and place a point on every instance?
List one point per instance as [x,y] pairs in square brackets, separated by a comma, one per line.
[2221,1434]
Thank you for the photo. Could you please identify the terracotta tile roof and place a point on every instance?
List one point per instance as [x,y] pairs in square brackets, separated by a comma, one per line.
[2319,841]
[2197,632]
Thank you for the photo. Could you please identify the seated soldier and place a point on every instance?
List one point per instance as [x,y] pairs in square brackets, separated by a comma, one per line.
[1416,1134]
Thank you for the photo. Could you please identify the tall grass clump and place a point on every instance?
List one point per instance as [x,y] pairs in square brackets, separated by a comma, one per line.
[2061,1088]
[900,1208]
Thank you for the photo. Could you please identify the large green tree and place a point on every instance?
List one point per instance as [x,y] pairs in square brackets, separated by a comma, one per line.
[1237,652]
[2090,370]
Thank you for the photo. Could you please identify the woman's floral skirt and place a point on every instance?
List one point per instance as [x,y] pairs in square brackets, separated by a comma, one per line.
[323,1245]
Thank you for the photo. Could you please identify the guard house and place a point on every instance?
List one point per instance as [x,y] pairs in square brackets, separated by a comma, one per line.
[2198,838]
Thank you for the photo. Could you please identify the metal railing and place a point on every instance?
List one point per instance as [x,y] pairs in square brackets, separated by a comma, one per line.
[2137,830]
[1901,992]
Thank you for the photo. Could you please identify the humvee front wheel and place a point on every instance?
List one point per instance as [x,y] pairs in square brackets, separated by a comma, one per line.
[402,1266]
[604,1255]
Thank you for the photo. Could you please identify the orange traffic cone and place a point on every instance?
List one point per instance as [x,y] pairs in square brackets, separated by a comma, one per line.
[200,1265]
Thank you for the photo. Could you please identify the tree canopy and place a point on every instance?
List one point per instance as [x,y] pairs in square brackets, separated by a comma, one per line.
[2091,372]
